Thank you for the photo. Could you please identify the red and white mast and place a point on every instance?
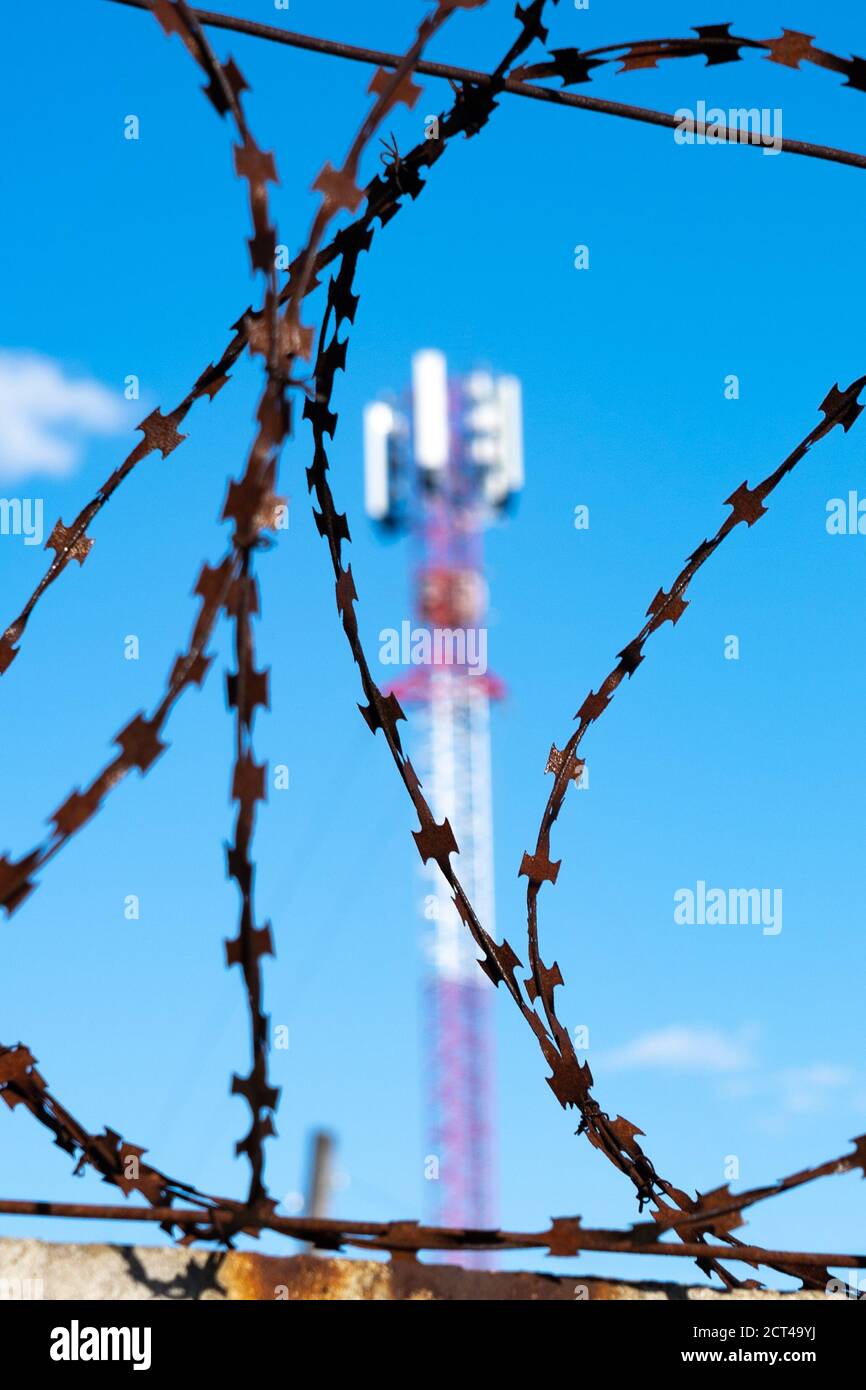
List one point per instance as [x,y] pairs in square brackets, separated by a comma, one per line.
[442,466]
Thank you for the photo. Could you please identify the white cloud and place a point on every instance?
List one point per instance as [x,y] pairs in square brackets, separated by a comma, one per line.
[682,1048]
[788,1095]
[805,1090]
[797,1090]
[45,415]
[783,1095]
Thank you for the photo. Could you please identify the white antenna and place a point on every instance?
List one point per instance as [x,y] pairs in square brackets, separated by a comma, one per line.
[430,409]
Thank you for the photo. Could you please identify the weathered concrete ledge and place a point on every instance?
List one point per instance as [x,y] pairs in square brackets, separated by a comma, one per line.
[38,1269]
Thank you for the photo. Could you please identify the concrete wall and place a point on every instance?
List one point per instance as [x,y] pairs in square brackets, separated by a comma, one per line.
[37,1269]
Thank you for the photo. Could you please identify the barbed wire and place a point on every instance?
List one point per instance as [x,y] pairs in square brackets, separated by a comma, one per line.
[160,430]
[252,501]
[384,194]
[565,1238]
[715,42]
[251,506]
[220,1220]
[574,65]
[571,1081]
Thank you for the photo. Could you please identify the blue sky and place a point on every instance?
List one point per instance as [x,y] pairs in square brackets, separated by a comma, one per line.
[128,257]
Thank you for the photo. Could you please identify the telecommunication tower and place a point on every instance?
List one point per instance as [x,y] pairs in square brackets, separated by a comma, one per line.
[441,463]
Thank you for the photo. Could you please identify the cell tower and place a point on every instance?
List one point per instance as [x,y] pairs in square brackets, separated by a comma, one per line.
[441,464]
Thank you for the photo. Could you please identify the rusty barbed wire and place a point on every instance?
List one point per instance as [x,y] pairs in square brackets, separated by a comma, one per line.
[434,841]
[384,195]
[251,505]
[118,1162]
[160,430]
[567,1237]
[468,114]
[715,42]
[722,1205]
[219,1219]
[250,330]
[571,1081]
[747,505]
[252,501]
[574,65]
